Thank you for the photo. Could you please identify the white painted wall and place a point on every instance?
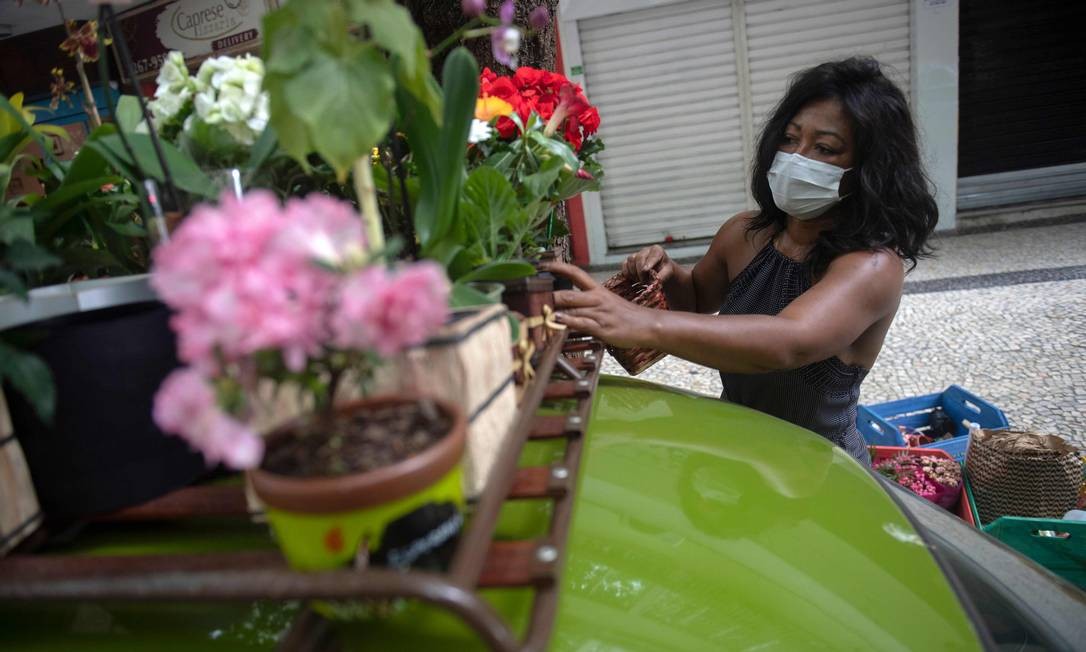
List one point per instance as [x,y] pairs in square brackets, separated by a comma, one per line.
[934,65]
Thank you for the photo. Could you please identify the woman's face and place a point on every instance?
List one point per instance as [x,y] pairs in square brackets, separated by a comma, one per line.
[820,131]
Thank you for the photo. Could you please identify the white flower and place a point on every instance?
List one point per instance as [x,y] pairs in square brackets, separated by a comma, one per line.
[511,40]
[480,131]
[229,95]
[175,89]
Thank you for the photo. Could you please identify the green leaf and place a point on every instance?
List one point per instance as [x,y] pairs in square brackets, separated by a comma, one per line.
[128,228]
[11,144]
[17,228]
[555,147]
[262,150]
[129,115]
[10,113]
[27,256]
[289,40]
[13,283]
[437,210]
[186,174]
[67,192]
[390,26]
[345,103]
[31,378]
[490,201]
[539,184]
[89,163]
[464,296]
[499,271]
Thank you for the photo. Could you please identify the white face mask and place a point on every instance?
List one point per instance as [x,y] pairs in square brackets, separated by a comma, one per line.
[802,187]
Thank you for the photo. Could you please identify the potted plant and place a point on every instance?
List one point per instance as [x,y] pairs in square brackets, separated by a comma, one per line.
[294,296]
[536,130]
[83,340]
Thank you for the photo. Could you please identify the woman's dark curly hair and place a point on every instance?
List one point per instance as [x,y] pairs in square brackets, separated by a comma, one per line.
[891,204]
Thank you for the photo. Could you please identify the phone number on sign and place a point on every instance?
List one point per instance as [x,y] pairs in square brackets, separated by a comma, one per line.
[148,64]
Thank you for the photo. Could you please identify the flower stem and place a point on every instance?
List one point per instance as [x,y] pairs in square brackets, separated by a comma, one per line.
[367,203]
[454,37]
[88,96]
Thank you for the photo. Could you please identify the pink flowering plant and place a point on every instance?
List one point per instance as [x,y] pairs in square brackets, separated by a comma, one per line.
[937,479]
[288,293]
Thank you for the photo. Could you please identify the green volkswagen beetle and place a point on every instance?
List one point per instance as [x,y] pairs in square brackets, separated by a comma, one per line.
[698,525]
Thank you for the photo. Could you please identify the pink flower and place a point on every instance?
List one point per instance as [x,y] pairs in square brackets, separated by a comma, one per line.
[242,276]
[388,312]
[182,395]
[185,405]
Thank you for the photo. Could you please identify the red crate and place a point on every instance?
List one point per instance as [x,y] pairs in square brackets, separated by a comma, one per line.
[880,453]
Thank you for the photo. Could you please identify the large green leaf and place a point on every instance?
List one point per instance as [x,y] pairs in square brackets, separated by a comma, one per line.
[67,192]
[31,378]
[345,102]
[439,152]
[24,255]
[554,147]
[186,174]
[489,204]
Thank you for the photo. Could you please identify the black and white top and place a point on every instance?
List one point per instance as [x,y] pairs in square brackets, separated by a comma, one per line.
[820,396]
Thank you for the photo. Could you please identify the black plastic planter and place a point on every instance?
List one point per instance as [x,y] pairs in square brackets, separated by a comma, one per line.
[103,452]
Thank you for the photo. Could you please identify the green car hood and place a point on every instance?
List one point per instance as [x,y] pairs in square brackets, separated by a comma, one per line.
[699,525]
[702,525]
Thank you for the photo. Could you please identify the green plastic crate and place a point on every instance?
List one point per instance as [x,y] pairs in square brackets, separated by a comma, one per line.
[1058,545]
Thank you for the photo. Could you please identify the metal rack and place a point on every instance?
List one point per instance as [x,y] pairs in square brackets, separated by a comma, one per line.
[566,370]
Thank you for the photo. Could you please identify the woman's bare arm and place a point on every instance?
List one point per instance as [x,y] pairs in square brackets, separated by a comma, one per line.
[858,290]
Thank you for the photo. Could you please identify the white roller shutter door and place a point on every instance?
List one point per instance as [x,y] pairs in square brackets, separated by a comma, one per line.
[664,80]
[674,104]
[785,36]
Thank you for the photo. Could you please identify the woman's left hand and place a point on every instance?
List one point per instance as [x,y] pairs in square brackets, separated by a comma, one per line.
[598,312]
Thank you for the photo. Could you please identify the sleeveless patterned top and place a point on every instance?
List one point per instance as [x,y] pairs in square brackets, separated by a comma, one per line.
[820,396]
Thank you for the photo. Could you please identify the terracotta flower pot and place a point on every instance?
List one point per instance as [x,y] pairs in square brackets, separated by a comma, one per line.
[320,522]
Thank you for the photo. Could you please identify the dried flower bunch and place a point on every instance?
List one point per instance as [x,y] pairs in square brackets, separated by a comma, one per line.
[937,479]
[648,295]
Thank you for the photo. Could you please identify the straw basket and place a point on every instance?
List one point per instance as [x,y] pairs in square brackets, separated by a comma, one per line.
[1015,473]
[19,512]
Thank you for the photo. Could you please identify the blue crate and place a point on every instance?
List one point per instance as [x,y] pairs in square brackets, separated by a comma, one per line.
[878,423]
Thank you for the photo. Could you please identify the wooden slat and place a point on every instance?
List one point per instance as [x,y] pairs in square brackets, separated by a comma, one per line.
[540,482]
[514,563]
[211,500]
[562,389]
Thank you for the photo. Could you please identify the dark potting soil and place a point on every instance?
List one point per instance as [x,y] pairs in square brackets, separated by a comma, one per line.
[354,443]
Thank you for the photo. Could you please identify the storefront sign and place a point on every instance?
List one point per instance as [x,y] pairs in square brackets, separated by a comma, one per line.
[197,28]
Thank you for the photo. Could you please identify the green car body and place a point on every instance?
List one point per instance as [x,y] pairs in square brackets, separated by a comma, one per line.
[699,525]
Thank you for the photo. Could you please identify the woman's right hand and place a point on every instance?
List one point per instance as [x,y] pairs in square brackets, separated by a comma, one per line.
[651,262]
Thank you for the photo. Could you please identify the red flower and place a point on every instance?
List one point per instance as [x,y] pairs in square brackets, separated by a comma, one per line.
[547,94]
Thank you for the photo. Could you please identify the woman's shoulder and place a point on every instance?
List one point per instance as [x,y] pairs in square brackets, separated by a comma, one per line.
[881,267]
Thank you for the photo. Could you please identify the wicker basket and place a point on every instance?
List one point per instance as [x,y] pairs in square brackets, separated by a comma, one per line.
[19,513]
[1015,473]
[649,295]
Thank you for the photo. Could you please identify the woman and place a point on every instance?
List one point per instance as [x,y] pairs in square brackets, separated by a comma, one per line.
[807,285]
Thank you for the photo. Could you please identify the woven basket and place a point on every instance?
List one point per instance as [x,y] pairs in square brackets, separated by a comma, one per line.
[19,513]
[649,295]
[1015,473]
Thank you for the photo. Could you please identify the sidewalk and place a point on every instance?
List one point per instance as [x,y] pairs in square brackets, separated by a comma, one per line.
[1002,314]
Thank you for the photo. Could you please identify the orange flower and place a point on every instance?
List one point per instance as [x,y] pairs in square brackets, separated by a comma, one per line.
[488,108]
